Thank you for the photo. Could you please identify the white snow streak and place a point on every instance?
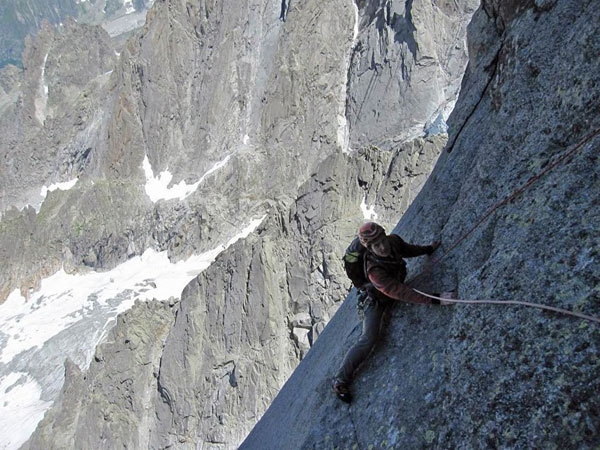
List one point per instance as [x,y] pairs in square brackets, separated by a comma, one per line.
[157,188]
[343,133]
[42,99]
[368,211]
[64,186]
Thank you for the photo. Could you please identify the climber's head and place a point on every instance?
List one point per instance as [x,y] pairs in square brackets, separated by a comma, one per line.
[369,233]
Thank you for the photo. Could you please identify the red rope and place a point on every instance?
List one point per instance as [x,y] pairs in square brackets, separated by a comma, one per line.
[518,192]
[489,212]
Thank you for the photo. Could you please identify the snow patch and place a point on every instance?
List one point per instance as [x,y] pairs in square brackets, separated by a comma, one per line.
[20,409]
[368,211]
[125,23]
[157,188]
[64,186]
[437,122]
[343,135]
[64,299]
[128,4]
[36,201]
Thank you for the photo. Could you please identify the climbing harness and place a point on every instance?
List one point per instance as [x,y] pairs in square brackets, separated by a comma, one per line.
[488,213]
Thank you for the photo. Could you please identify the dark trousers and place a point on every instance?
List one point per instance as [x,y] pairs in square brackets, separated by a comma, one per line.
[371,329]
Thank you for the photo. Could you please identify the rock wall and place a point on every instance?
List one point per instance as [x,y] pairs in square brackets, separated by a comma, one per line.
[406,69]
[113,398]
[50,120]
[485,376]
[53,116]
[265,100]
[21,19]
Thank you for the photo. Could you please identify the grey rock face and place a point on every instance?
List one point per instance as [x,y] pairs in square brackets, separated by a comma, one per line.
[485,376]
[404,170]
[406,68]
[111,402]
[20,19]
[233,87]
[25,18]
[52,121]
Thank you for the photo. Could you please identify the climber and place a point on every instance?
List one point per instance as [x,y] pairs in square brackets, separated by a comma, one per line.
[375,265]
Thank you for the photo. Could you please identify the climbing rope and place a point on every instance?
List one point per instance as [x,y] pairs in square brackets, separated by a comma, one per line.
[512,302]
[563,158]
[518,192]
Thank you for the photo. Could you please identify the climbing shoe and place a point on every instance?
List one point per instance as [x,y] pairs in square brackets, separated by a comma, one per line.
[342,390]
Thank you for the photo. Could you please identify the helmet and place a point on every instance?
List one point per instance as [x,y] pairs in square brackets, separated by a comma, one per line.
[370,232]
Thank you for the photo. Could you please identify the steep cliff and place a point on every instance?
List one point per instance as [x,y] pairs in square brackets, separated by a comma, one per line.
[526,130]
[212,116]
[405,61]
[116,391]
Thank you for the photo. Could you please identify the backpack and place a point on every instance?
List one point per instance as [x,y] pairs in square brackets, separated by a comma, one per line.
[354,263]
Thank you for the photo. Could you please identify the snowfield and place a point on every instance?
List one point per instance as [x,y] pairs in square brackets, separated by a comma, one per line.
[68,317]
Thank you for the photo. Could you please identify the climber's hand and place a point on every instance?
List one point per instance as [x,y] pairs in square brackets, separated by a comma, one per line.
[435,246]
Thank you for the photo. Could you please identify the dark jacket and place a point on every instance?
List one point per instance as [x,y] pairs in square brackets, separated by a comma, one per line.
[386,274]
